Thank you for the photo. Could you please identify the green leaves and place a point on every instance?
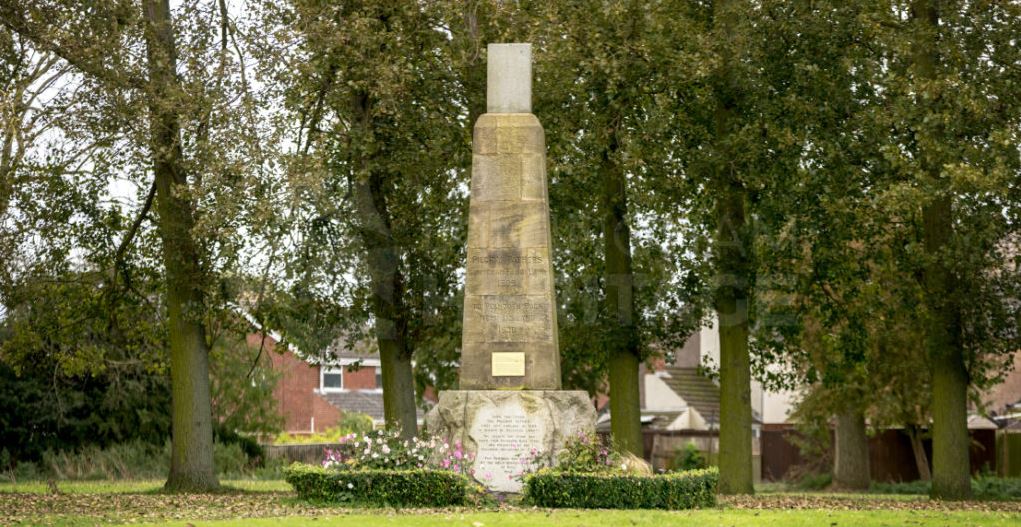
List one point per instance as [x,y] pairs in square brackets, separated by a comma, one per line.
[678,490]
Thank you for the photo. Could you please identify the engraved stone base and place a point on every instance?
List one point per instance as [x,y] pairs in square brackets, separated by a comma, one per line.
[501,427]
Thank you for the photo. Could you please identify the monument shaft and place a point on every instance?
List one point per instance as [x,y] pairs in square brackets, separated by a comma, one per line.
[509,338]
[510,405]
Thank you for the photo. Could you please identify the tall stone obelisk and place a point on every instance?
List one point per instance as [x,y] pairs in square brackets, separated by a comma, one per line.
[509,400]
[509,338]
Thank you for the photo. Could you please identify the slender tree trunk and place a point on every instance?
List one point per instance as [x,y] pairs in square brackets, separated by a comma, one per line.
[625,404]
[918,451]
[951,463]
[851,462]
[732,248]
[732,298]
[191,458]
[388,291]
[951,474]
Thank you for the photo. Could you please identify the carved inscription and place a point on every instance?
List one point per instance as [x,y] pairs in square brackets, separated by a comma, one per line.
[506,318]
[507,271]
[504,436]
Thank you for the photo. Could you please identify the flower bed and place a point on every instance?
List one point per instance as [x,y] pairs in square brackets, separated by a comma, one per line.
[680,490]
[381,468]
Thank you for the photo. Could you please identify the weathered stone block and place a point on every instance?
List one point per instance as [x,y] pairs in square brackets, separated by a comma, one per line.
[496,178]
[500,428]
[533,177]
[484,137]
[515,224]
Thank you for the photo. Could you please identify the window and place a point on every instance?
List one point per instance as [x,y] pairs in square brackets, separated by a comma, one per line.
[331,379]
[379,378]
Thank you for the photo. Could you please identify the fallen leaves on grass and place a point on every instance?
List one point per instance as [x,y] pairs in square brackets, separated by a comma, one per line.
[130,508]
[23,508]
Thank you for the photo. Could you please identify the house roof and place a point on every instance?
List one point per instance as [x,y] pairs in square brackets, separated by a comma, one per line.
[368,402]
[353,345]
[700,392]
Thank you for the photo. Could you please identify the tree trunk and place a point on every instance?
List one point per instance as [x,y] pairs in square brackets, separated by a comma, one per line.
[191,457]
[918,451]
[951,463]
[851,462]
[388,290]
[732,252]
[625,404]
[951,474]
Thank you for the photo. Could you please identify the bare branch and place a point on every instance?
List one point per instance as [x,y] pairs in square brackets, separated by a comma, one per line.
[126,242]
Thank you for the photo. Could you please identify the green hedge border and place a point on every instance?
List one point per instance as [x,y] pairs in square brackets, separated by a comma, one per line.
[407,488]
[680,490]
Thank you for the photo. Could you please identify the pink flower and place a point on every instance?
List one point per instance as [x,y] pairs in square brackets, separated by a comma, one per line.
[446,463]
[458,454]
[457,468]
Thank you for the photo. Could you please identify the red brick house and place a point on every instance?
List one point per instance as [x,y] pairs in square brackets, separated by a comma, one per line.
[311,397]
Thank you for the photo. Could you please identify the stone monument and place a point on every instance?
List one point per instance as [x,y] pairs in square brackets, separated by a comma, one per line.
[509,401]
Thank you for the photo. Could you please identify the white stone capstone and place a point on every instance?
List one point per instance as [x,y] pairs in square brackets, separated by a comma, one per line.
[509,78]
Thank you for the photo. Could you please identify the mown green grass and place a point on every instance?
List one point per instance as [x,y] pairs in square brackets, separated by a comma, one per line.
[700,518]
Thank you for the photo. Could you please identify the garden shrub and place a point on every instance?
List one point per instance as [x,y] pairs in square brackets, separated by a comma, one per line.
[386,449]
[813,481]
[688,458]
[607,490]
[350,423]
[133,460]
[384,487]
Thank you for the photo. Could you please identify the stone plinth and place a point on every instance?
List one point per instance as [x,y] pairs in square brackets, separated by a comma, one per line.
[499,427]
[509,338]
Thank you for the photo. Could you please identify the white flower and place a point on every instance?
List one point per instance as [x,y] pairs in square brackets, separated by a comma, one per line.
[623,466]
[350,485]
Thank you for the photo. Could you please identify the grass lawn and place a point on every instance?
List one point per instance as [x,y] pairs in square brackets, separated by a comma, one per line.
[266,503]
[701,518]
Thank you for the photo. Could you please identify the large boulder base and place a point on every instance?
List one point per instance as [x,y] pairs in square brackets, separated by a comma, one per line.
[501,428]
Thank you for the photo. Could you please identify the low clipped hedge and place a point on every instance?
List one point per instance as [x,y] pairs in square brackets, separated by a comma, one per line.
[679,490]
[377,487]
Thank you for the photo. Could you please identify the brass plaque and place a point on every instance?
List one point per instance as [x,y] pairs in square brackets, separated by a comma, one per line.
[509,364]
